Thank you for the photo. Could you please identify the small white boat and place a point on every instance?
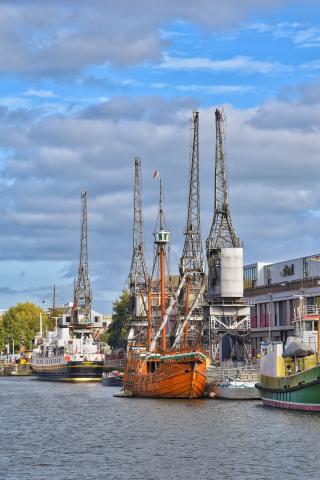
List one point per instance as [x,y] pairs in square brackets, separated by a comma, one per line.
[235,390]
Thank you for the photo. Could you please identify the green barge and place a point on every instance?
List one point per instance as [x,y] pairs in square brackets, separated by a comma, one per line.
[290,374]
[300,391]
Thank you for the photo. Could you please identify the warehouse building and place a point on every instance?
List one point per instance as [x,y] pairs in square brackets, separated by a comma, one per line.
[275,290]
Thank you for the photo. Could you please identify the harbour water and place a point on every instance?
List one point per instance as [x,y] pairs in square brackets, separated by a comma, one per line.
[68,432]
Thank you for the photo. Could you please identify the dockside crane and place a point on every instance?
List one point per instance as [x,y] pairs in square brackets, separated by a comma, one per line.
[138,276]
[227,315]
[81,312]
[192,261]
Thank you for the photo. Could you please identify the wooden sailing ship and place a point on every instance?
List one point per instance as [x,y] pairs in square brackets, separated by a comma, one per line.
[166,375]
[156,369]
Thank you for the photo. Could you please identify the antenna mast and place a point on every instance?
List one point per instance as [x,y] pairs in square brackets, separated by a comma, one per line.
[82,289]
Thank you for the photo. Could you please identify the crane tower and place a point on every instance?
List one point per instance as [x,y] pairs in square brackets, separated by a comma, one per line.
[82,289]
[138,276]
[227,315]
[191,261]
[138,271]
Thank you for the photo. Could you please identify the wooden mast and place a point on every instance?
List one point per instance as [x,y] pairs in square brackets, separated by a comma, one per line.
[161,239]
[163,299]
[185,336]
[149,315]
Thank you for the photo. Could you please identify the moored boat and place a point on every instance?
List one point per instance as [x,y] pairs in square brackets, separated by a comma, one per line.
[171,375]
[235,390]
[290,376]
[156,369]
[112,379]
[233,383]
[68,354]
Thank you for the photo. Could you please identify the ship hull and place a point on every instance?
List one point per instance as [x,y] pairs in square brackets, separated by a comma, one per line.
[69,372]
[234,393]
[300,391]
[175,376]
[112,381]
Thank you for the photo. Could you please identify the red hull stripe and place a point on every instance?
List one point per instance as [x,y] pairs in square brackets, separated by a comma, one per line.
[311,407]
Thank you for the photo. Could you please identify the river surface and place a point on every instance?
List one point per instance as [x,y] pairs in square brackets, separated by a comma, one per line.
[68,432]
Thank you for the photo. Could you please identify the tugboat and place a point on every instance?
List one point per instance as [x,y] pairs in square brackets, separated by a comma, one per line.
[290,375]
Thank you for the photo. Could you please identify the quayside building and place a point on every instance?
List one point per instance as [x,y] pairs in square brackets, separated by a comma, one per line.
[275,291]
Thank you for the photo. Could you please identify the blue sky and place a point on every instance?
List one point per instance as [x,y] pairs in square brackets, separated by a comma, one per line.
[85,88]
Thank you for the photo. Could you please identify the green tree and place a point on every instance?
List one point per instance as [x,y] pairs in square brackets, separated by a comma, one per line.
[2,336]
[22,320]
[117,331]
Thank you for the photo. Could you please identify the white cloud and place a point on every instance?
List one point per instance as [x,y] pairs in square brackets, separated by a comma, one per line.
[39,93]
[241,64]
[313,65]
[290,116]
[302,35]
[60,38]
[14,102]
[307,38]
[216,89]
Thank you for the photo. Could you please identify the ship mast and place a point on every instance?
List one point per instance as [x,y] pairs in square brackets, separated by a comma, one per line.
[82,288]
[161,239]
[191,261]
[228,317]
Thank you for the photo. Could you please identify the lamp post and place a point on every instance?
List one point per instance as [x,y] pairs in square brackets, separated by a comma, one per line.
[270,307]
[316,259]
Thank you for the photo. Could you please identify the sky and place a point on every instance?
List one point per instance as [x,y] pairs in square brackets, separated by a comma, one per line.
[88,86]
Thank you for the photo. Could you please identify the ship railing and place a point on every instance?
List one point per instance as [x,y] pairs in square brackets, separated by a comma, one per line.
[307,311]
[250,373]
[312,309]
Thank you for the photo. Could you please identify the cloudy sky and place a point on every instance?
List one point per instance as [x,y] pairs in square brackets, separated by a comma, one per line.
[87,86]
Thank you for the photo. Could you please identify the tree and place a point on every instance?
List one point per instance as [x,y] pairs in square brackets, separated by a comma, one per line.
[22,320]
[2,336]
[117,331]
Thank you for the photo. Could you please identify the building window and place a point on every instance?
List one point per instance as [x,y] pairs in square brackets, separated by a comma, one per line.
[267,275]
[96,319]
[68,319]
[249,277]
[305,268]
